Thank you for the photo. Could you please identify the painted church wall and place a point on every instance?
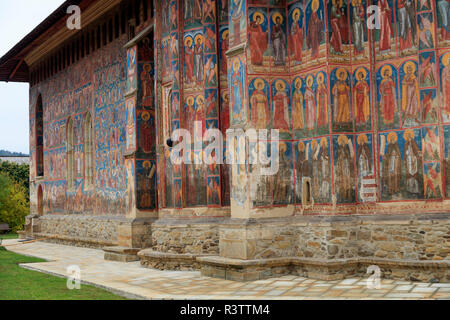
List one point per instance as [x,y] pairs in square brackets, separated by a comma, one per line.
[338,116]
[94,84]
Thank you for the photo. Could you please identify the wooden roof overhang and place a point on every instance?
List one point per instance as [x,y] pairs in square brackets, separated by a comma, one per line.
[48,36]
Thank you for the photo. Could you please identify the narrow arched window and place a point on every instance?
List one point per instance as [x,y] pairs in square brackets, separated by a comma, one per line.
[39,138]
[88,152]
[70,155]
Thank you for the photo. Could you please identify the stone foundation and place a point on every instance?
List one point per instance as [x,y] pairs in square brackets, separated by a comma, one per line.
[410,247]
[90,231]
[186,237]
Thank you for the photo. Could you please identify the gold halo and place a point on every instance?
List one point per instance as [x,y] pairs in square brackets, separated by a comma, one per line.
[277,15]
[190,101]
[342,140]
[408,133]
[388,68]
[320,77]
[197,37]
[146,164]
[315,5]
[362,139]
[314,144]
[308,80]
[225,94]
[296,11]
[258,14]
[301,146]
[298,83]
[145,116]
[361,70]
[324,142]
[280,83]
[188,42]
[259,82]
[225,34]
[446,59]
[392,137]
[407,64]
[283,147]
[338,73]
[200,97]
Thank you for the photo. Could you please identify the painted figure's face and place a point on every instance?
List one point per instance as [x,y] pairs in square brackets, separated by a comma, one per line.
[361,76]
[258,20]
[278,20]
[409,70]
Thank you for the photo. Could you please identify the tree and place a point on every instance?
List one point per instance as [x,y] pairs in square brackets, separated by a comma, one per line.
[19,173]
[13,203]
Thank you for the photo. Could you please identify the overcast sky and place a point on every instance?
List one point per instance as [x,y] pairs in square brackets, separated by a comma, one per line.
[17,19]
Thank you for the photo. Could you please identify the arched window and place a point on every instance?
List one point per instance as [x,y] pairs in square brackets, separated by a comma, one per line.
[70,155]
[88,152]
[40,201]
[39,138]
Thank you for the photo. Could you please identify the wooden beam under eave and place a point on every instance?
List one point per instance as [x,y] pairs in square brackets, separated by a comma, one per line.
[15,70]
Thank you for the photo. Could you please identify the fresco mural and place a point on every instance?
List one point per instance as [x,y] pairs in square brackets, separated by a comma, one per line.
[352,130]
[401,165]
[341,100]
[447,159]
[344,169]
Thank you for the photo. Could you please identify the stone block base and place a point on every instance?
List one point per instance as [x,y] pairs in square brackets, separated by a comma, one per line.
[169,261]
[82,242]
[251,270]
[121,254]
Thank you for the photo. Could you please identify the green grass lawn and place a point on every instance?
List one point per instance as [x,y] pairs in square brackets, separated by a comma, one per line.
[17,283]
[9,236]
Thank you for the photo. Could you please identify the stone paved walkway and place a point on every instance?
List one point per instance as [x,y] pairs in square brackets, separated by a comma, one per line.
[136,282]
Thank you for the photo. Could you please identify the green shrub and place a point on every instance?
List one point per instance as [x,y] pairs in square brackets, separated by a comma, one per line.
[19,173]
[14,205]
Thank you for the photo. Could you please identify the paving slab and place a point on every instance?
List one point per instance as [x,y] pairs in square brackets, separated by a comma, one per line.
[133,281]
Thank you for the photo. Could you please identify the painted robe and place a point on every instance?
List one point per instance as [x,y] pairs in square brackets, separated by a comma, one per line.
[279,45]
[258,43]
[146,136]
[336,40]
[198,62]
[386,25]
[413,166]
[281,112]
[322,106]
[260,107]
[225,46]
[299,121]
[297,42]
[343,173]
[364,161]
[392,168]
[410,97]
[282,182]
[302,171]
[406,16]
[237,94]
[358,28]
[388,101]
[310,107]
[362,107]
[315,34]
[446,89]
[341,92]
[189,57]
